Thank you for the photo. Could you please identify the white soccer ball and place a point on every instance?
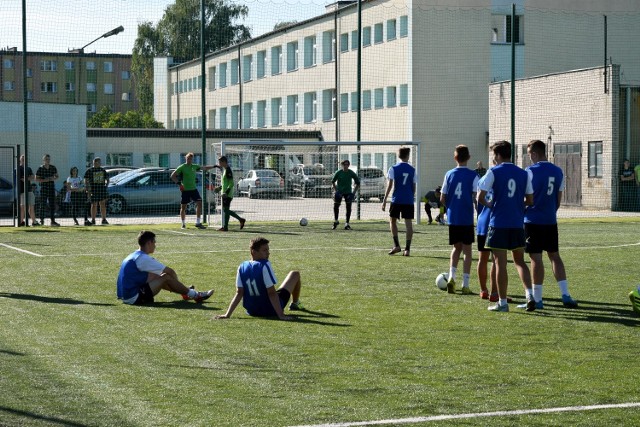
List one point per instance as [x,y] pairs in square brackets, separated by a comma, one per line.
[303,221]
[441,281]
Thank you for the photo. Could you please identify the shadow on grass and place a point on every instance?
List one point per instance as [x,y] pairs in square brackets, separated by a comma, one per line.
[592,311]
[181,305]
[49,300]
[53,420]
[12,353]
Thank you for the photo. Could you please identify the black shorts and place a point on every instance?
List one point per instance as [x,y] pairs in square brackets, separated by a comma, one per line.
[268,311]
[541,237]
[99,194]
[508,239]
[482,239]
[464,234]
[337,197]
[190,195]
[145,295]
[399,210]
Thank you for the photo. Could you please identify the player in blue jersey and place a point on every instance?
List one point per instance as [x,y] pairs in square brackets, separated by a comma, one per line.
[402,178]
[141,276]
[512,189]
[255,286]
[459,196]
[540,222]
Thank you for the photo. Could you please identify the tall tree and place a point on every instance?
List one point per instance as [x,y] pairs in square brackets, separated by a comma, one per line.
[130,120]
[178,35]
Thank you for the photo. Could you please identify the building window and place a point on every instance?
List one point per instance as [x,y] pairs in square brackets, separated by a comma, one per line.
[344,102]
[310,51]
[223,75]
[126,96]
[91,108]
[223,118]
[91,87]
[261,120]
[9,63]
[344,42]
[235,71]
[188,85]
[595,159]
[328,46]
[212,78]
[108,89]
[516,29]
[366,100]
[235,116]
[48,66]
[247,68]
[366,36]
[391,29]
[292,109]
[107,67]
[212,119]
[9,85]
[247,115]
[276,111]
[310,107]
[404,26]
[29,95]
[292,56]
[119,159]
[91,65]
[69,87]
[404,95]
[378,95]
[69,65]
[329,104]
[29,72]
[354,101]
[276,60]
[261,64]
[354,40]
[125,75]
[51,87]
[377,33]
[391,96]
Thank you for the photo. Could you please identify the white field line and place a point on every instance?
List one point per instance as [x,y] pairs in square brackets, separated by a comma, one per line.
[20,250]
[477,415]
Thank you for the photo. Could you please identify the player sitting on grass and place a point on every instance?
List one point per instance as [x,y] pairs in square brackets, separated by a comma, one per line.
[255,283]
[141,276]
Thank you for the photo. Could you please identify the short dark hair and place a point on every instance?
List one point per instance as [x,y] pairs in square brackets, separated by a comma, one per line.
[223,159]
[503,148]
[145,236]
[461,153]
[257,243]
[538,147]
[404,152]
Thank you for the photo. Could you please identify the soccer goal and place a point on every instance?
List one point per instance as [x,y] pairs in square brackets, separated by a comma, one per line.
[287,181]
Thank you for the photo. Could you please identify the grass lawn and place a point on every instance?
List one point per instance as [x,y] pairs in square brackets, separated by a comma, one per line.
[380,341]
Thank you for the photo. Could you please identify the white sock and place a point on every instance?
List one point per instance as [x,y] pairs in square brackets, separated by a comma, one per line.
[503,302]
[192,293]
[527,293]
[465,280]
[452,273]
[564,287]
[183,223]
[197,220]
[537,293]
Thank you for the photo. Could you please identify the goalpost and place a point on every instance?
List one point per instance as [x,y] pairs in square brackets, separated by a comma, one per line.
[279,180]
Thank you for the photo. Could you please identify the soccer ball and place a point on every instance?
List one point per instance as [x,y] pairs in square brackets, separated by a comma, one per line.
[303,221]
[441,281]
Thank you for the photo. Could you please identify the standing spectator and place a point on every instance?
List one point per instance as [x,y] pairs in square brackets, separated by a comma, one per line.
[256,286]
[480,169]
[628,192]
[512,190]
[46,175]
[28,199]
[77,195]
[541,224]
[402,178]
[432,201]
[341,182]
[185,176]
[96,180]
[141,276]
[459,196]
[227,188]
[636,172]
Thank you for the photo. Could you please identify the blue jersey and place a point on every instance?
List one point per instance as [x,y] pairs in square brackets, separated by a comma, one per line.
[459,187]
[404,178]
[547,180]
[509,184]
[130,277]
[255,277]
[482,227]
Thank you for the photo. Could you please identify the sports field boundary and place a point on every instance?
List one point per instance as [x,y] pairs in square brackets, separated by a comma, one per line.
[519,412]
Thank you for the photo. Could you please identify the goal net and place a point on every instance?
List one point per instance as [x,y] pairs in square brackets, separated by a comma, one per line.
[287,181]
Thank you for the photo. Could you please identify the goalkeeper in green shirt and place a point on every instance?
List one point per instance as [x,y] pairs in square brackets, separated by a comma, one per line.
[227,195]
[185,177]
[341,183]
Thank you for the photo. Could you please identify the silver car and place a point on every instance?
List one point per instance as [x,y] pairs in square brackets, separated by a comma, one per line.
[6,196]
[372,183]
[258,182]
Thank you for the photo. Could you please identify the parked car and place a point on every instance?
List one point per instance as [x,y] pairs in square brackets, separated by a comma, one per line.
[115,170]
[373,183]
[150,189]
[6,196]
[310,180]
[260,182]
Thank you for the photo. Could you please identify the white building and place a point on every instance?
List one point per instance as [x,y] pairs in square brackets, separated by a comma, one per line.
[426,70]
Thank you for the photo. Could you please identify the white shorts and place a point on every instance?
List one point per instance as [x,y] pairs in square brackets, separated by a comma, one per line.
[31,198]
